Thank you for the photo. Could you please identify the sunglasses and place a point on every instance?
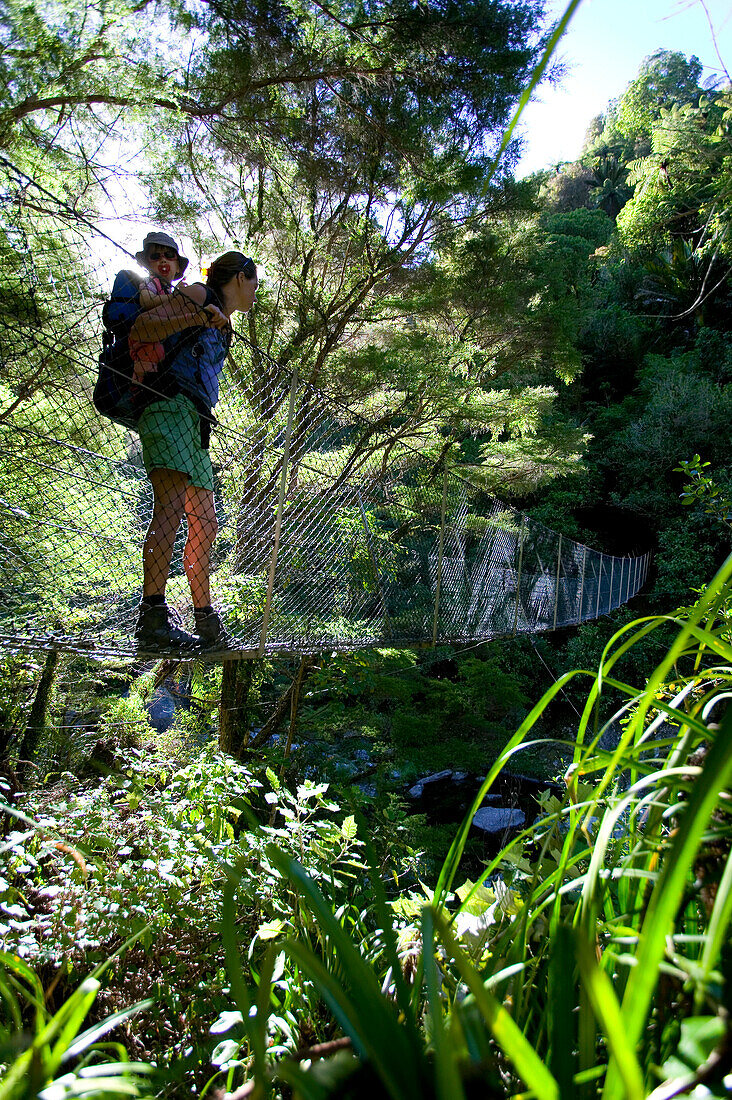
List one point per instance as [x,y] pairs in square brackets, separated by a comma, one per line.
[156,254]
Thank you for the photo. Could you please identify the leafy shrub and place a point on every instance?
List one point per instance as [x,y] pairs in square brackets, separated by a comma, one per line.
[414,729]
[126,721]
[144,853]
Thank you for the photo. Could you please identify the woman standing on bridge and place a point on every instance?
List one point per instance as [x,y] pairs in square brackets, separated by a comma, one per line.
[175,432]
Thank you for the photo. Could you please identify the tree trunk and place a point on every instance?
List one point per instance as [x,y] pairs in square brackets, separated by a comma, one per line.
[302,672]
[236,683]
[37,719]
[287,701]
[274,721]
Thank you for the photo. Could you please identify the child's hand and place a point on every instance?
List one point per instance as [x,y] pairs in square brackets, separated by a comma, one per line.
[216,319]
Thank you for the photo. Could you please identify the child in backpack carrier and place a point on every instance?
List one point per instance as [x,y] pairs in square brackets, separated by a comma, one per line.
[163,259]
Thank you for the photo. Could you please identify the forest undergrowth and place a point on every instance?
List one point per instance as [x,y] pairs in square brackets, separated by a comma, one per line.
[231,926]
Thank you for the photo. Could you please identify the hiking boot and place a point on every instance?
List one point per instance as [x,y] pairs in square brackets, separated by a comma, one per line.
[156,631]
[211,630]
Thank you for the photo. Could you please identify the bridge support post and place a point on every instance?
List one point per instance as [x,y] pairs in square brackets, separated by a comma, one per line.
[582,581]
[599,585]
[612,581]
[522,532]
[440,552]
[556,583]
[280,509]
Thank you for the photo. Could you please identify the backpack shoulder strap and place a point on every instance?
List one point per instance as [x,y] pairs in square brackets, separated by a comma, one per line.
[210,296]
[190,335]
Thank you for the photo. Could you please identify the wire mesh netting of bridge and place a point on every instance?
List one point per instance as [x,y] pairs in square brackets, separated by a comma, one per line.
[331,537]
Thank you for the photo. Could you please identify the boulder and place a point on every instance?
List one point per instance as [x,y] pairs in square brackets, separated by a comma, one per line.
[418,789]
[494,819]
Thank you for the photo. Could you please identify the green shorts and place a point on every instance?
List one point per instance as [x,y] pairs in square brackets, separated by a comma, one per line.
[170,434]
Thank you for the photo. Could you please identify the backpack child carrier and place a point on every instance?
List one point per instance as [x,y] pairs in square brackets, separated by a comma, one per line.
[116,395]
[113,395]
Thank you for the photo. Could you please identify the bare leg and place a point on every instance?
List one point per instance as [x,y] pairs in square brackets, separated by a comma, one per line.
[202,530]
[169,489]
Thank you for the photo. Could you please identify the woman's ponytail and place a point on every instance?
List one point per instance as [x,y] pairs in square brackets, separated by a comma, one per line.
[223,270]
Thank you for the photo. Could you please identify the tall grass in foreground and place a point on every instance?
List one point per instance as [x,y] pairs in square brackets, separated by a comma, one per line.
[53,1059]
[592,958]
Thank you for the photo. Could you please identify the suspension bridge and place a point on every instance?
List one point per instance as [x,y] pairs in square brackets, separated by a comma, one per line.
[334,534]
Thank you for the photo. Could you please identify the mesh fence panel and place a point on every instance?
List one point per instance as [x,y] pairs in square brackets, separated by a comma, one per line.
[320,545]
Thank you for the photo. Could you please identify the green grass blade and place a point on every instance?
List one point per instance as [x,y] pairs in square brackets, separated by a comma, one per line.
[66,1023]
[718,928]
[607,1013]
[69,1029]
[235,970]
[452,860]
[705,607]
[561,1023]
[302,1082]
[369,1018]
[263,1003]
[8,998]
[508,1035]
[93,1034]
[449,1085]
[403,995]
[668,892]
[106,963]
[607,662]
[587,1041]
[713,641]
[374,1039]
[345,1009]
[21,970]
[536,76]
[234,966]
[592,887]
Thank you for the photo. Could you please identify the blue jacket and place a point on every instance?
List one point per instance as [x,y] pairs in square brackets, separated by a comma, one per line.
[197,362]
[198,358]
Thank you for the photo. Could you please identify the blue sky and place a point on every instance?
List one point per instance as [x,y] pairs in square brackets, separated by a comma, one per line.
[603,49]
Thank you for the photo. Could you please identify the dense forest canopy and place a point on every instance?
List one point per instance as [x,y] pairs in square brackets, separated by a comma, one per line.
[562,341]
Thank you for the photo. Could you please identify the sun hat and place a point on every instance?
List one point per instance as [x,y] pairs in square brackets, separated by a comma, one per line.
[165,241]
